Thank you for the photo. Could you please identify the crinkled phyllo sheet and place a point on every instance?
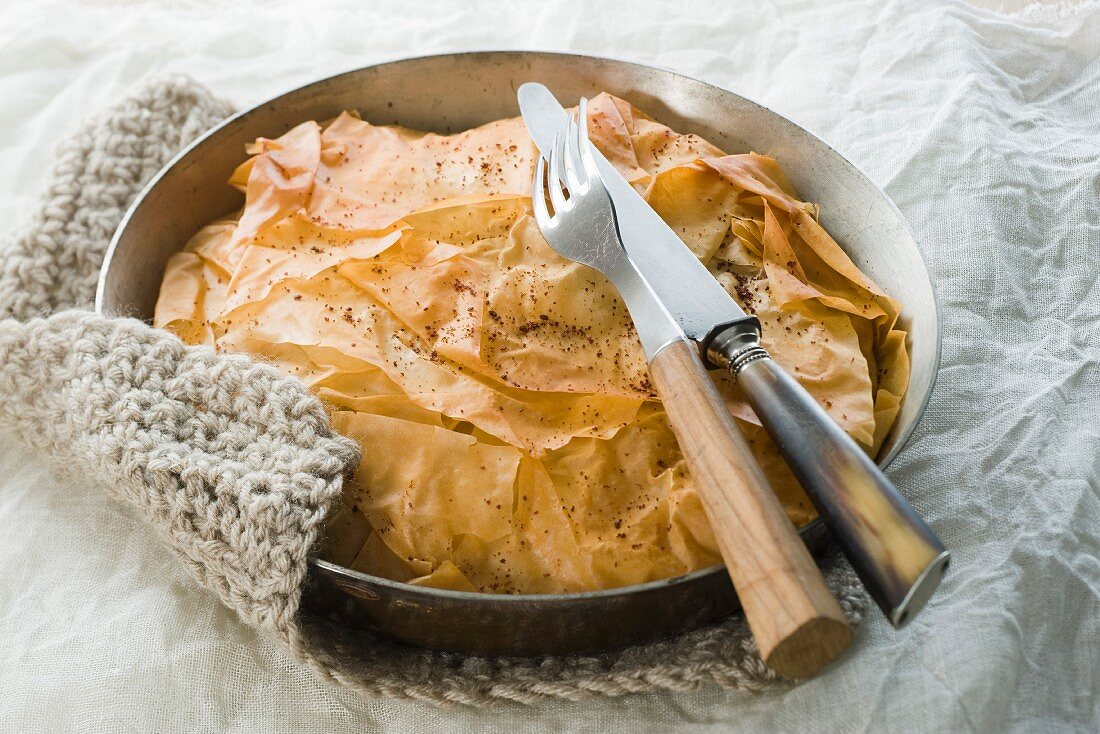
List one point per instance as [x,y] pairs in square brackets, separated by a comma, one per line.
[511,439]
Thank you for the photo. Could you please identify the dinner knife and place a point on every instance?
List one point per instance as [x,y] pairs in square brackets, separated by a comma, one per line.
[896,555]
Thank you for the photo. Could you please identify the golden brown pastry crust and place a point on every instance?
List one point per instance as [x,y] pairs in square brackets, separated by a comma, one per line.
[511,441]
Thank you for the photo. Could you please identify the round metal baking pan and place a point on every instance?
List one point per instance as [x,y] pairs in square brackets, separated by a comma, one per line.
[453,92]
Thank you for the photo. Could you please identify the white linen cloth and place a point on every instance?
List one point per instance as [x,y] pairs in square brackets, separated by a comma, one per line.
[980,122]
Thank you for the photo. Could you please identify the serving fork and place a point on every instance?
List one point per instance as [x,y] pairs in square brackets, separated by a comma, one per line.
[797,623]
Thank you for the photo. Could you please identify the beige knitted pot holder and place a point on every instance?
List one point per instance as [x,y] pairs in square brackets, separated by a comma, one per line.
[235,465]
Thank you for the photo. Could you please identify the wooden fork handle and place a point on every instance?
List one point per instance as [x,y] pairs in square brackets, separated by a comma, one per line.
[797,623]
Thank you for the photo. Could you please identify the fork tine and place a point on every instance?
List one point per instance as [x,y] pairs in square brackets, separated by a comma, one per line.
[557,196]
[588,163]
[538,194]
[573,163]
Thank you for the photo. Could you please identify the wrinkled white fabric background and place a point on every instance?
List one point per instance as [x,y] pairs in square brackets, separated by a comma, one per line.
[981,121]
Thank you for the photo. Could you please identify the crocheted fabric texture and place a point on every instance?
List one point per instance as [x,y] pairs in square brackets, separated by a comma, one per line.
[234,465]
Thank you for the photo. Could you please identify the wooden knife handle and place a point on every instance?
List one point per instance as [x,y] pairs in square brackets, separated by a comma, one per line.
[797,623]
[897,556]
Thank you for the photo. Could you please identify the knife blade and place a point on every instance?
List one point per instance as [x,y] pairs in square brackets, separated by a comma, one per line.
[701,309]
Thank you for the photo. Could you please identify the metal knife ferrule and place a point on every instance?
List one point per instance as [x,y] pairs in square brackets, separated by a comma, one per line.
[733,345]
